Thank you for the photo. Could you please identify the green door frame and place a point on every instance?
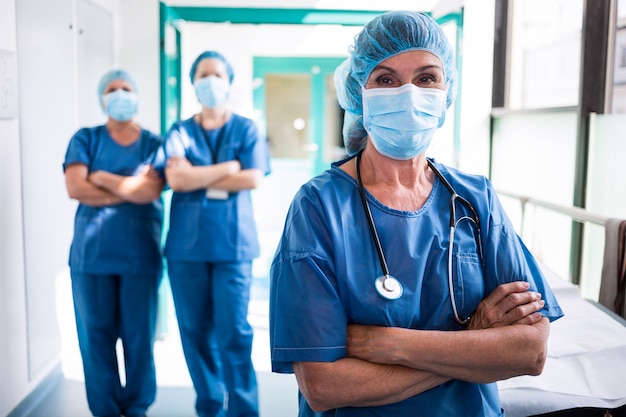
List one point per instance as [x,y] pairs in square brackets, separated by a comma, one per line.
[171,69]
[171,60]
[318,68]
[170,38]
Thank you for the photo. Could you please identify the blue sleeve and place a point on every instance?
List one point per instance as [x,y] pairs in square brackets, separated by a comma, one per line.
[508,259]
[255,153]
[303,285]
[176,141]
[156,152]
[78,149]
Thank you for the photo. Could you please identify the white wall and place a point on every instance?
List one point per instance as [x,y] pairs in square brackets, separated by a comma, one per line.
[13,343]
[476,85]
[36,216]
[139,54]
[47,118]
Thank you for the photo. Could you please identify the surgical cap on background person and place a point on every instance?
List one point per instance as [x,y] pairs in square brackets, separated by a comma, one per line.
[383,37]
[115,74]
[211,54]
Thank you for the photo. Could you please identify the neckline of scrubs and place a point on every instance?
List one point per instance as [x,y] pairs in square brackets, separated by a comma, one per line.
[124,146]
[373,201]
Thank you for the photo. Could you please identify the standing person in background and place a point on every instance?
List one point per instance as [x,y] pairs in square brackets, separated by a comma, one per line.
[115,257]
[391,294]
[214,159]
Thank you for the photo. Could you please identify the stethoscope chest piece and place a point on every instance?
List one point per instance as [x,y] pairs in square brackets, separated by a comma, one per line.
[388,287]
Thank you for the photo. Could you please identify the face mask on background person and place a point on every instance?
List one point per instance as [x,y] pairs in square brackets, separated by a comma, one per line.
[212,91]
[121,105]
[401,121]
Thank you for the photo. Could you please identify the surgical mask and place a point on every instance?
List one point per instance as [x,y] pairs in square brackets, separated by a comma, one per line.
[212,91]
[121,105]
[401,121]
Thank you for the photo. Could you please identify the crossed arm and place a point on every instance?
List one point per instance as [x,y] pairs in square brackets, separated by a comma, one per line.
[506,337]
[182,176]
[101,188]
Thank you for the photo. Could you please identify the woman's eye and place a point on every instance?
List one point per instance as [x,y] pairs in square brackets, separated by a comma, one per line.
[426,80]
[385,80]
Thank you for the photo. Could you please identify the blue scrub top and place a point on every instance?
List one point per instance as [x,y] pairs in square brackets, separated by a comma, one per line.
[213,230]
[322,278]
[122,238]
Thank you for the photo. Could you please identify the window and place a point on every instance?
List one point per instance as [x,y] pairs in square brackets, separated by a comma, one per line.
[618,102]
[545,53]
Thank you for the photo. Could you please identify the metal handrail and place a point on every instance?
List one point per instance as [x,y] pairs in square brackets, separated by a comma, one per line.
[576,213]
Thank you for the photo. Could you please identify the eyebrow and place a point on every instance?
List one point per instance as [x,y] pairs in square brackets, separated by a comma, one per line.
[419,69]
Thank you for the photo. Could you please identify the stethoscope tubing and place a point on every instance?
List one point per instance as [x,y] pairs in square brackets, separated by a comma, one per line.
[389,287]
[370,218]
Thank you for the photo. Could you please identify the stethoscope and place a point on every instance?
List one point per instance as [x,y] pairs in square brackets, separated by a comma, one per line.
[388,286]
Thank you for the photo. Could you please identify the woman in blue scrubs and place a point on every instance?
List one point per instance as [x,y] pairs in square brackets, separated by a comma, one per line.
[377,305]
[115,257]
[214,160]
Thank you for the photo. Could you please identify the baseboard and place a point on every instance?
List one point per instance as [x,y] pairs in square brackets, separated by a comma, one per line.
[39,394]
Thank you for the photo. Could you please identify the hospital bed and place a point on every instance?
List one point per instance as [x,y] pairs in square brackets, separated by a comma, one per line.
[585,371]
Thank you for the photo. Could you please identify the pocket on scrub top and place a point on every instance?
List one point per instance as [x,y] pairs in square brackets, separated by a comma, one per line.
[86,241]
[184,225]
[468,281]
[146,234]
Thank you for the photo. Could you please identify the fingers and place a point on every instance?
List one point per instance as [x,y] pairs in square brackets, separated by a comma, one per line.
[526,313]
[152,173]
[508,304]
[504,290]
[177,161]
[530,319]
[514,302]
[94,178]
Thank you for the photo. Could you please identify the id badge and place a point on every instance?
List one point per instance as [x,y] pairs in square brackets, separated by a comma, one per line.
[216,194]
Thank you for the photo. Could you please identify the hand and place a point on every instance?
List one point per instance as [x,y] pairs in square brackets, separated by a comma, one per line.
[233,166]
[149,173]
[509,303]
[178,169]
[95,178]
[178,162]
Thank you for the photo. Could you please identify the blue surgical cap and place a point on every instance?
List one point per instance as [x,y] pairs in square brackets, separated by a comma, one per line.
[211,54]
[383,37]
[116,74]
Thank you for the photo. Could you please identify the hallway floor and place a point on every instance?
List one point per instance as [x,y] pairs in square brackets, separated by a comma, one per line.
[175,395]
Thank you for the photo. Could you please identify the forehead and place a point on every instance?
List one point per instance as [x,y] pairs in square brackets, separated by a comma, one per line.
[412,60]
[119,85]
[211,66]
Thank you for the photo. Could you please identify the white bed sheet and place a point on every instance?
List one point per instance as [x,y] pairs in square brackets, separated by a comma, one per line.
[586,363]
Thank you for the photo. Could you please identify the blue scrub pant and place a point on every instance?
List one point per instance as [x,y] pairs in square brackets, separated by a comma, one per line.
[108,307]
[211,301]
